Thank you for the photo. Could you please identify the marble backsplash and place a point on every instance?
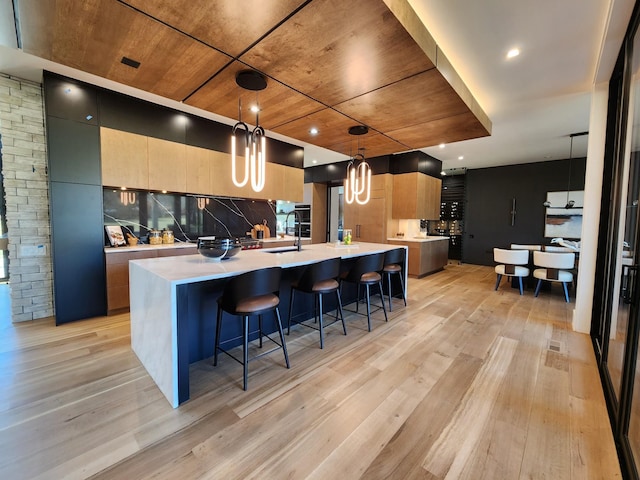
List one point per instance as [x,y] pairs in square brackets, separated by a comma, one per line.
[188,216]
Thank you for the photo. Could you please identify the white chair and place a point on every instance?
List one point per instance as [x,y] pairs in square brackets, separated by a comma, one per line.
[510,264]
[554,249]
[555,269]
[531,248]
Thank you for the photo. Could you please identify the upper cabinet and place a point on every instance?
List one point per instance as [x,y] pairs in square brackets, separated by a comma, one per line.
[124,159]
[167,165]
[147,163]
[198,161]
[416,195]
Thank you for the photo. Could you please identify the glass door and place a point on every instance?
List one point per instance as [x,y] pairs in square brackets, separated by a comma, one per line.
[625,332]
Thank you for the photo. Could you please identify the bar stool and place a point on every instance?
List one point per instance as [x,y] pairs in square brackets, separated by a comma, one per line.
[250,294]
[393,261]
[319,279]
[366,272]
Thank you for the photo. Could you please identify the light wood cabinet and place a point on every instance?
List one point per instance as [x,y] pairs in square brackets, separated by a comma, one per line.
[198,162]
[369,222]
[146,163]
[425,257]
[117,267]
[123,159]
[293,185]
[416,195]
[167,165]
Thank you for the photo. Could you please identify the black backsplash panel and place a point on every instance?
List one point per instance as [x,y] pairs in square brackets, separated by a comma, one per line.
[139,211]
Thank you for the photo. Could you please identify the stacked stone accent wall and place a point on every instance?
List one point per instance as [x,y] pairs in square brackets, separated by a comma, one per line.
[24,170]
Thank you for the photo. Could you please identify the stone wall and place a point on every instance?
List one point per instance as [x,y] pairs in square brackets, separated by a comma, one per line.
[24,170]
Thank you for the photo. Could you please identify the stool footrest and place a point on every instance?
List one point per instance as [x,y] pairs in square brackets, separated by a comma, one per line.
[274,349]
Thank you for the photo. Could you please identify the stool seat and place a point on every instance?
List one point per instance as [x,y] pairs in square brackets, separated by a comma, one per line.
[255,305]
[392,266]
[325,286]
[365,272]
[250,294]
[318,279]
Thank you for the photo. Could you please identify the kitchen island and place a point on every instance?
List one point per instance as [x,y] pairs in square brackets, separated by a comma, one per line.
[427,254]
[173,304]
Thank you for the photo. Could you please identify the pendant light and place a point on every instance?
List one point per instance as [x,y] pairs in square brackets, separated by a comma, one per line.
[357,185]
[570,203]
[255,145]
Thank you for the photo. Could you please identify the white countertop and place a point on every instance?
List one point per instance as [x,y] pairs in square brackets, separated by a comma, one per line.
[141,247]
[430,238]
[196,268]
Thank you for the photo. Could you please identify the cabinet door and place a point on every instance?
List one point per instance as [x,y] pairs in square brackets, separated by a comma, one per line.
[433,189]
[167,165]
[123,159]
[370,225]
[405,195]
[198,161]
[294,184]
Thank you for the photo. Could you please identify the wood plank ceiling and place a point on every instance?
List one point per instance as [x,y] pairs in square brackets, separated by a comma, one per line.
[330,64]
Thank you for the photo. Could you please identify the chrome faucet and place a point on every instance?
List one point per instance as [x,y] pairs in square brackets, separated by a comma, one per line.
[286,227]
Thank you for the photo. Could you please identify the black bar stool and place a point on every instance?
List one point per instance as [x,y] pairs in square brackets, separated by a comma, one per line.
[319,279]
[393,261]
[249,294]
[366,271]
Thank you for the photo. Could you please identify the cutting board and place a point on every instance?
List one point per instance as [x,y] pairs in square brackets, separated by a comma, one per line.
[263,228]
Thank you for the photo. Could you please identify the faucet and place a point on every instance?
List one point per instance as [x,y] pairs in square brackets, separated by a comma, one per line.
[286,227]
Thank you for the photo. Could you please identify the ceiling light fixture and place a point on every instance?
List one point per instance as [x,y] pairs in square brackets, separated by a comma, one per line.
[441,145]
[570,203]
[514,52]
[255,148]
[313,131]
[358,181]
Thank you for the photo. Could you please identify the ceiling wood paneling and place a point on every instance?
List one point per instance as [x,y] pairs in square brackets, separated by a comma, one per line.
[331,64]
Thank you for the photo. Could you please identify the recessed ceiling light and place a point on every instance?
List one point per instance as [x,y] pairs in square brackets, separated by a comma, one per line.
[514,52]
[460,157]
[441,145]
[255,108]
[443,173]
[314,161]
[313,131]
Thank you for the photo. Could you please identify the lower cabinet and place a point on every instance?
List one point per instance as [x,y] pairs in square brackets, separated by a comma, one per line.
[425,257]
[117,266]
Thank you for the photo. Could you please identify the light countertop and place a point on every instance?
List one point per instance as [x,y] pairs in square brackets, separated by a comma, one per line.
[142,247]
[195,268]
[430,238]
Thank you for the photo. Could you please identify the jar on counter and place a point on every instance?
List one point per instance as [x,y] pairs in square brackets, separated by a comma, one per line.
[155,237]
[167,236]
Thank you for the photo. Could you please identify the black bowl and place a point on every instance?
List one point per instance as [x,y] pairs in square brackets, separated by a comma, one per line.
[220,248]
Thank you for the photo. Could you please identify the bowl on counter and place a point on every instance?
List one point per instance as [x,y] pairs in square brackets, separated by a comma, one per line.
[218,248]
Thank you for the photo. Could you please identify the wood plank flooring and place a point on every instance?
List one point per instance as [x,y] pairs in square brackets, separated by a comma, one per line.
[463,383]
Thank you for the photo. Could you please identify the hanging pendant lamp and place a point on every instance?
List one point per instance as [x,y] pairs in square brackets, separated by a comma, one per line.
[357,185]
[255,145]
[570,203]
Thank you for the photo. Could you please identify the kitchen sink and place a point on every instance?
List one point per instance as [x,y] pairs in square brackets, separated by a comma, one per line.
[280,249]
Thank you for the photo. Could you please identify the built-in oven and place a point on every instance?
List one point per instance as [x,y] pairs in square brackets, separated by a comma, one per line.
[304,214]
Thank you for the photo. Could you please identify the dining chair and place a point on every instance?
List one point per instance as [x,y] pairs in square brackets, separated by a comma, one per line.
[511,263]
[555,267]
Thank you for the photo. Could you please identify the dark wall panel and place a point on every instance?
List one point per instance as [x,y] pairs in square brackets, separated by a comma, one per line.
[74,151]
[77,248]
[70,99]
[489,195]
[130,114]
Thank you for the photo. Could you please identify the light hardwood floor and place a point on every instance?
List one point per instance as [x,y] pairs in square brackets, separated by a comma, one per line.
[463,383]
